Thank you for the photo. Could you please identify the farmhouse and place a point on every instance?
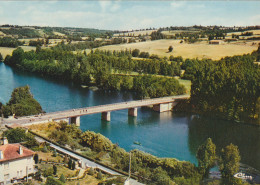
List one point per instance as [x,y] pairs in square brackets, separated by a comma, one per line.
[217,42]
[16,162]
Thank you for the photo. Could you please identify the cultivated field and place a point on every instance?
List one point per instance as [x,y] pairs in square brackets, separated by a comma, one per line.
[135,33]
[197,50]
[58,33]
[255,32]
[8,51]
[173,32]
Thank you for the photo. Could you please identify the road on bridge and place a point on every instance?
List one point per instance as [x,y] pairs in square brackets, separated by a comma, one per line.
[92,110]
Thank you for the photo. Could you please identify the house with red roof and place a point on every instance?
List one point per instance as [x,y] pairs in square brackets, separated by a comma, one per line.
[16,162]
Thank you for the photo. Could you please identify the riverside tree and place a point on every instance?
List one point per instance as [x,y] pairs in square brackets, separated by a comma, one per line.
[22,103]
[206,156]
[229,161]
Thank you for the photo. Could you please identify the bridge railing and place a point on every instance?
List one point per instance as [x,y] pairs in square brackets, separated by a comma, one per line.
[122,103]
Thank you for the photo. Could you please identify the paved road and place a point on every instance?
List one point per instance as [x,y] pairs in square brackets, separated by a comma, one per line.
[86,161]
[92,110]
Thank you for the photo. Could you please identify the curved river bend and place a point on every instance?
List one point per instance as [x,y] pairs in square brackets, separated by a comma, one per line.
[161,134]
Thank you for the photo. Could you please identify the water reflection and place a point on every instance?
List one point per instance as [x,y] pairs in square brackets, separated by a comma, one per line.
[162,134]
[246,137]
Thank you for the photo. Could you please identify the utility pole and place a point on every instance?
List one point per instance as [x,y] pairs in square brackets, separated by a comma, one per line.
[129,164]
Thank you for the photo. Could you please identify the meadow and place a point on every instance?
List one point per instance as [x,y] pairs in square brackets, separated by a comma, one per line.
[198,50]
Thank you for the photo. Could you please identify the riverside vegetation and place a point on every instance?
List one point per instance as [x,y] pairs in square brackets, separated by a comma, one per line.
[148,168]
[228,88]
[21,103]
[95,68]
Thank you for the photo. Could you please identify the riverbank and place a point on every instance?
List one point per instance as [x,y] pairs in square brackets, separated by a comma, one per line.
[187,107]
[175,135]
[101,150]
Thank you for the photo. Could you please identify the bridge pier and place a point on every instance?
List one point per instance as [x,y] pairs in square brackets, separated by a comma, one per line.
[75,120]
[132,112]
[105,116]
[163,107]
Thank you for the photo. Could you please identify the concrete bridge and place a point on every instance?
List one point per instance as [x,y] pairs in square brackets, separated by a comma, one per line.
[159,105]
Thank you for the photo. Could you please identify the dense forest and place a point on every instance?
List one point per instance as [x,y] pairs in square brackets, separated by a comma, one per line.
[21,32]
[10,42]
[96,69]
[21,103]
[228,88]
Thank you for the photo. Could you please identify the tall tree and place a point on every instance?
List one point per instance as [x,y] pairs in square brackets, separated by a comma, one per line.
[170,49]
[229,161]
[206,156]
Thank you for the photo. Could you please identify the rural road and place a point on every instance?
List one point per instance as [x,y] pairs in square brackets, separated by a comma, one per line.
[86,161]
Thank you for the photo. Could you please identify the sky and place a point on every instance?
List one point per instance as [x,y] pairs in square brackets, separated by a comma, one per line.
[128,15]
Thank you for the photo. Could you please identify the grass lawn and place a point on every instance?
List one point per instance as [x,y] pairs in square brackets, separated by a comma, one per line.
[186,83]
[87,180]
[60,169]
[48,156]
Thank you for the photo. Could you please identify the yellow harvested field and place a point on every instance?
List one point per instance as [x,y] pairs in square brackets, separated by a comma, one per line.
[8,51]
[255,32]
[58,33]
[197,50]
[2,34]
[135,33]
[173,32]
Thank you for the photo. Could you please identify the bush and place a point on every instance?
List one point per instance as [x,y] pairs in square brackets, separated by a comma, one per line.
[36,158]
[70,164]
[73,166]
[62,178]
[96,142]
[91,171]
[52,181]
[170,48]
[48,172]
[135,52]
[54,170]
[15,135]
[45,150]
[99,176]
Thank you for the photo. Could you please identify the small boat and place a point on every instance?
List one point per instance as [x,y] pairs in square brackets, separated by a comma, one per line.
[137,143]
[84,86]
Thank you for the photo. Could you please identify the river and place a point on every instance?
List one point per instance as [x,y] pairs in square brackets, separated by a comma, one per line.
[162,134]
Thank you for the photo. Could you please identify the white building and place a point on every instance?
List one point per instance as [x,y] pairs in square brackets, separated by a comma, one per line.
[16,162]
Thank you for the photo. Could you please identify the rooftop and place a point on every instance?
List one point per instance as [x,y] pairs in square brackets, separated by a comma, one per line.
[11,152]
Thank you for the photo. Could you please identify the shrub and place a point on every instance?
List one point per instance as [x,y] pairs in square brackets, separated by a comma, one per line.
[48,172]
[62,178]
[91,171]
[54,170]
[52,181]
[36,158]
[45,150]
[99,175]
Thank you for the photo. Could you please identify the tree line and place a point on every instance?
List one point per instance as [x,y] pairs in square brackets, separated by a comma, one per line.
[95,69]
[21,32]
[228,88]
[10,42]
